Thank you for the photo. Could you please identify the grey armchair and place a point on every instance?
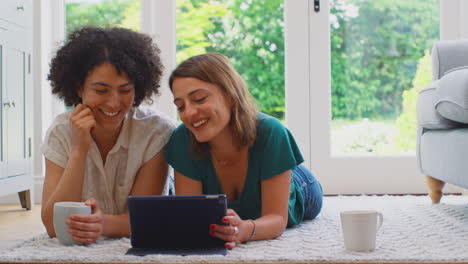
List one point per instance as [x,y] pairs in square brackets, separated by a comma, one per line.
[442,113]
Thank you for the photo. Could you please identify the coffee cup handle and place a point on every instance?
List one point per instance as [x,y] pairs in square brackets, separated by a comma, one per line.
[380,221]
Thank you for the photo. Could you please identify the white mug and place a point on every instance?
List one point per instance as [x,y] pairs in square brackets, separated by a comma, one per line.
[360,229]
[62,211]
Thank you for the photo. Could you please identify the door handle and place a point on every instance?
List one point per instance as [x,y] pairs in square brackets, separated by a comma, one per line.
[317,5]
[13,103]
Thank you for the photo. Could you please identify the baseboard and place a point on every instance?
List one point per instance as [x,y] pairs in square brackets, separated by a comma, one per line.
[463,191]
[36,195]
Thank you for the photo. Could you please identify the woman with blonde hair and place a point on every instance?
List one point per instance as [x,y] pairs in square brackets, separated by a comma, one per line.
[226,146]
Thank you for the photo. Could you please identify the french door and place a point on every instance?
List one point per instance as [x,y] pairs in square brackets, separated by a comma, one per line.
[353,70]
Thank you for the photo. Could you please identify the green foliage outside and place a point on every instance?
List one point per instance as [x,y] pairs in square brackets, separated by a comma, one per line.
[375,47]
[193,40]
[406,123]
[250,33]
[253,38]
[387,137]
[363,137]
[123,13]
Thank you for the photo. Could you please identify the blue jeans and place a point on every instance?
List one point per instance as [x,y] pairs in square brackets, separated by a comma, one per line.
[311,191]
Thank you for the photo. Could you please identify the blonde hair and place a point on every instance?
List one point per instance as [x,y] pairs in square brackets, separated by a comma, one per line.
[215,68]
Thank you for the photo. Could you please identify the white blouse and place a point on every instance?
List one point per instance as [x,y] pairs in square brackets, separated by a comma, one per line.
[143,135]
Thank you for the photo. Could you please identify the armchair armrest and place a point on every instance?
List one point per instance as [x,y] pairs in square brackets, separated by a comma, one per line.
[451,97]
[426,113]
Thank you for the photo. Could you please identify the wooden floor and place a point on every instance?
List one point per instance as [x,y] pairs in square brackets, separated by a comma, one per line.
[18,224]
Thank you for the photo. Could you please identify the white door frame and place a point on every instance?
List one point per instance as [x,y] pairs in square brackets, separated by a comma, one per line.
[453,19]
[158,19]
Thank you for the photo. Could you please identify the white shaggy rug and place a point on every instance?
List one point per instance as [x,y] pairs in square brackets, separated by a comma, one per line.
[414,230]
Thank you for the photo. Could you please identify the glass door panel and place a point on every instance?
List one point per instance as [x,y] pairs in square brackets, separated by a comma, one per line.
[249,33]
[380,60]
[122,13]
[367,61]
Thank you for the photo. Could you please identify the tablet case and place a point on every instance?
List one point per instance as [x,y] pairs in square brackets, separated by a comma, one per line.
[175,224]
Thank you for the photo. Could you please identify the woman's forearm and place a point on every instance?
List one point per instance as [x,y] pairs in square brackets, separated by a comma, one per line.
[116,225]
[266,227]
[68,188]
[269,227]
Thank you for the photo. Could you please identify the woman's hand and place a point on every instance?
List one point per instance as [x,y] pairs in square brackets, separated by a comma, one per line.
[82,122]
[87,228]
[234,232]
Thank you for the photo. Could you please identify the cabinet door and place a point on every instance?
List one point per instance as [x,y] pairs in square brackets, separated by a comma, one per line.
[17,12]
[15,75]
[3,172]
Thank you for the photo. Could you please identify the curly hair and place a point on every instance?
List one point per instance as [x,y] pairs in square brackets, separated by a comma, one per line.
[129,51]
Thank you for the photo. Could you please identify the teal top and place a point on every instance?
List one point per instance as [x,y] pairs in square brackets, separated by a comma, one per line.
[273,152]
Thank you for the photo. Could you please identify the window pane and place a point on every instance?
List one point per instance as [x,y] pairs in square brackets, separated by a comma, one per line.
[249,33]
[122,13]
[380,53]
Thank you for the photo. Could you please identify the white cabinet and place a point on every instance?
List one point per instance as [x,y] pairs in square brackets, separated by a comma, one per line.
[16,99]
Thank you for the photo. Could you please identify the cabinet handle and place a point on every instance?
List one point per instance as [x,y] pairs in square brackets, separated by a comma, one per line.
[13,103]
[6,103]
[20,8]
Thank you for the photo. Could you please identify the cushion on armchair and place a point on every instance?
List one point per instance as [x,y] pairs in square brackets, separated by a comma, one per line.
[451,95]
[427,116]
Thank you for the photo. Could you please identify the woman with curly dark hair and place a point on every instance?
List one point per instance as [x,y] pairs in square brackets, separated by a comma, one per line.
[108,147]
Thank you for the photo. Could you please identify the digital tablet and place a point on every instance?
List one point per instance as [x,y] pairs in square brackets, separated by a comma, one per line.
[175,224]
